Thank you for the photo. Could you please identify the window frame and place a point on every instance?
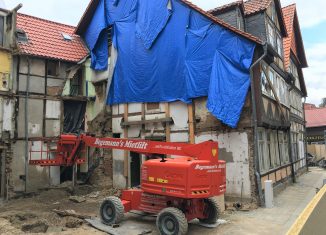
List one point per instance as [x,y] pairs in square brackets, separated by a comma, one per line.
[2,30]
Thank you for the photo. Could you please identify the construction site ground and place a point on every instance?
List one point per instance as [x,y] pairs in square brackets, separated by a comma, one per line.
[37,213]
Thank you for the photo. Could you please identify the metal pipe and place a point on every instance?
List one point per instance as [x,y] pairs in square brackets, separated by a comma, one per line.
[305,133]
[255,122]
[26,120]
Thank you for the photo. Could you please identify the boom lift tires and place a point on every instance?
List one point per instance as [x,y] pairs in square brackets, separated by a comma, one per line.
[112,211]
[212,211]
[172,221]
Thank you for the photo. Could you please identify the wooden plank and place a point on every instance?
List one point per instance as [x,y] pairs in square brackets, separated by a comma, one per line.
[191,123]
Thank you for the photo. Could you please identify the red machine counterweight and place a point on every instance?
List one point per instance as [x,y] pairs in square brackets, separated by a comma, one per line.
[178,189]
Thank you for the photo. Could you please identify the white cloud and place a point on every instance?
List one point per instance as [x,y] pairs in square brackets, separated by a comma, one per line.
[2,4]
[310,13]
[63,11]
[315,75]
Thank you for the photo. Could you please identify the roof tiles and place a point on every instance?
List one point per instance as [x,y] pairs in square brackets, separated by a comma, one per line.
[316,117]
[221,22]
[288,14]
[254,6]
[45,39]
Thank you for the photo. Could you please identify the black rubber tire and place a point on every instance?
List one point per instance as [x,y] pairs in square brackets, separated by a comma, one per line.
[112,210]
[212,210]
[173,218]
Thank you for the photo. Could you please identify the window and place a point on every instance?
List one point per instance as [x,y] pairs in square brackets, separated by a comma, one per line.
[272,149]
[273,13]
[274,38]
[279,84]
[271,34]
[66,37]
[265,85]
[52,68]
[152,106]
[21,36]
[1,30]
[279,44]
[284,150]
[294,72]
[262,150]
[296,103]
[294,146]
[275,158]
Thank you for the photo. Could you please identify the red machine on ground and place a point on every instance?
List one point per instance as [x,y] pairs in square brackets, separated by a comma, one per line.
[178,189]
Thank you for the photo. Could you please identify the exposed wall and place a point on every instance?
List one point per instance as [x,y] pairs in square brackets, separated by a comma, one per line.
[44,110]
[235,146]
[234,149]
[5,70]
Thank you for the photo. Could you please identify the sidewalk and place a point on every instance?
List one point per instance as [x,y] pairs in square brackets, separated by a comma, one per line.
[278,220]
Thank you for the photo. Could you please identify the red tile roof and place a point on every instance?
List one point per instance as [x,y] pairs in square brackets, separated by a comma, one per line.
[290,43]
[45,39]
[221,22]
[288,13]
[83,23]
[254,6]
[226,7]
[316,117]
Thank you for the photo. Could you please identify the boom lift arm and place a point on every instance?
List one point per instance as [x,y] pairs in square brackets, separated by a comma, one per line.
[177,189]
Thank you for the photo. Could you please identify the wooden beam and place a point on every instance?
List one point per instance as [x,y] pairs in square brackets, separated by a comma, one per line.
[126,124]
[125,135]
[167,126]
[191,123]
[274,93]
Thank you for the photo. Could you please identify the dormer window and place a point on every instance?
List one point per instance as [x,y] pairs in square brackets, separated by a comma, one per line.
[66,37]
[21,36]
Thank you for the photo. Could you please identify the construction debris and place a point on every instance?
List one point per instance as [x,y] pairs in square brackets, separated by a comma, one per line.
[102,227]
[77,199]
[35,227]
[71,213]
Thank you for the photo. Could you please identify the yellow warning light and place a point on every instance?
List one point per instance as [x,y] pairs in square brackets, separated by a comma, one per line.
[214,152]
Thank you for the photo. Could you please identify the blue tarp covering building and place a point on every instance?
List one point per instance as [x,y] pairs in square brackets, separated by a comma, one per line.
[168,51]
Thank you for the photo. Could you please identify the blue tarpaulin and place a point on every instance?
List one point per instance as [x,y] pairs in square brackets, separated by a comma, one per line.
[167,52]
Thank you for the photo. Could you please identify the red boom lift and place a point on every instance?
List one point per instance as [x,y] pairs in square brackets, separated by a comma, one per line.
[178,189]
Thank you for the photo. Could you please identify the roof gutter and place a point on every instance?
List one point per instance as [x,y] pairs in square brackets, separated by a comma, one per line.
[255,122]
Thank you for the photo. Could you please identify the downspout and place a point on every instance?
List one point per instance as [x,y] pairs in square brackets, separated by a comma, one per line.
[255,121]
[305,133]
[26,120]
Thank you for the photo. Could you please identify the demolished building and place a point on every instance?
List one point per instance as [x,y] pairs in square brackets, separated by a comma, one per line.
[262,143]
[44,86]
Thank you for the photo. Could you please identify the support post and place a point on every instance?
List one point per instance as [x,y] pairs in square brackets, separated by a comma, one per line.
[167,127]
[125,135]
[191,123]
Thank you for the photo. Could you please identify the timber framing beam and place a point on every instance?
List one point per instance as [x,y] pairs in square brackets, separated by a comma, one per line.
[125,123]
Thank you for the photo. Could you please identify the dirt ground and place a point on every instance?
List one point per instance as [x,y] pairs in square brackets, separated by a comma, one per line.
[35,215]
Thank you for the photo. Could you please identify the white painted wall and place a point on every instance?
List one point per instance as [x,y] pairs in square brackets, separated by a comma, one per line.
[237,172]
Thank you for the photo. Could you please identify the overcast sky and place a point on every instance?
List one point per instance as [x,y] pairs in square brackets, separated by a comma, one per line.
[312,19]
